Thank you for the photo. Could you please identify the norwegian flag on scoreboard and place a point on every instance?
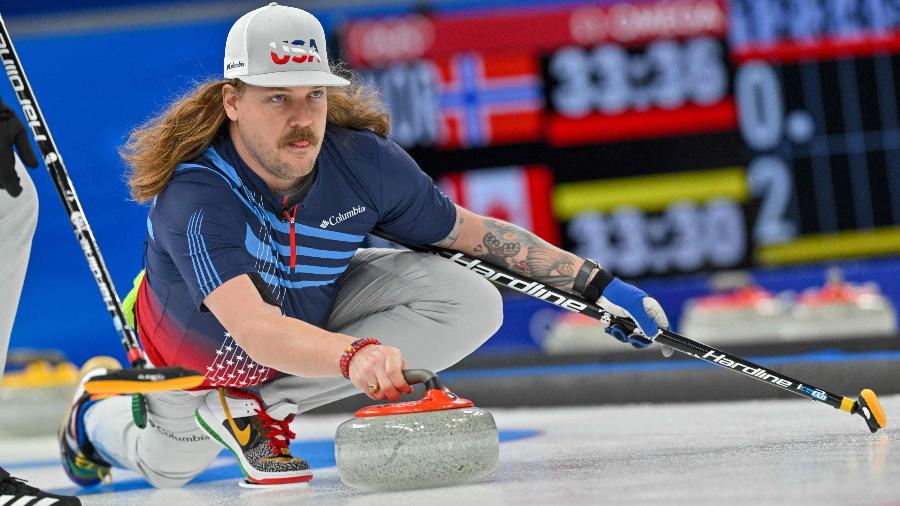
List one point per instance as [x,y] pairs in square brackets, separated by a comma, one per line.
[489,99]
[517,194]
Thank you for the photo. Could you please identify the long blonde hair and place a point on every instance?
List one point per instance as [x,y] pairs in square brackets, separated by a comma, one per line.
[190,124]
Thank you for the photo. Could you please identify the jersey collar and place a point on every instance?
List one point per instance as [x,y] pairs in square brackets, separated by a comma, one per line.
[226,149]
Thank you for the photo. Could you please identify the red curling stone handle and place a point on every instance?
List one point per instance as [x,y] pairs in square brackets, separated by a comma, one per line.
[437,397]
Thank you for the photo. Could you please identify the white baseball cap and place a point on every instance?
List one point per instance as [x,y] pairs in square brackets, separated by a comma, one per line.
[279,46]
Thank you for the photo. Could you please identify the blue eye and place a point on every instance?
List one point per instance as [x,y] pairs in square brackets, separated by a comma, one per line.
[277,98]
[317,93]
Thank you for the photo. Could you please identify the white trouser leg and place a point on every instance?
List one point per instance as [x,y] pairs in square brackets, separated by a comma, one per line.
[18,219]
[436,312]
[168,452]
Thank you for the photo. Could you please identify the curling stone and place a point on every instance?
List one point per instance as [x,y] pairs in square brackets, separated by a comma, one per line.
[441,439]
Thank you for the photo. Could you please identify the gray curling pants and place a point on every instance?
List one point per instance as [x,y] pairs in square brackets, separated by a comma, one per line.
[18,219]
[435,311]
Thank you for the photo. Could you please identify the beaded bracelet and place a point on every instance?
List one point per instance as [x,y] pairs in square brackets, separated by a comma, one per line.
[351,350]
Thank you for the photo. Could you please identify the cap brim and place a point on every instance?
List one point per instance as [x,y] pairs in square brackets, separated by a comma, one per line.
[296,78]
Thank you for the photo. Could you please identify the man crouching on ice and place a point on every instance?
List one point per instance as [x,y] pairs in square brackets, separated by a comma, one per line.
[262,188]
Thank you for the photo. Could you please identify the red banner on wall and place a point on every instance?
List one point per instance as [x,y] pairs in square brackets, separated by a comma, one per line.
[383,41]
[517,194]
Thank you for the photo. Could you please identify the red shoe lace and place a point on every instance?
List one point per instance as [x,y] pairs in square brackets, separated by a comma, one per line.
[279,435]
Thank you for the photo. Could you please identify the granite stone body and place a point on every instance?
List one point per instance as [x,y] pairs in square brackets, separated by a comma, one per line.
[417,450]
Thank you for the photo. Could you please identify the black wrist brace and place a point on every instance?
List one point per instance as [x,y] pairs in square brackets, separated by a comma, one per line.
[593,289]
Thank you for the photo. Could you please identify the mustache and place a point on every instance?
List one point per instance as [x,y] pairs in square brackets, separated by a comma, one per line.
[297,135]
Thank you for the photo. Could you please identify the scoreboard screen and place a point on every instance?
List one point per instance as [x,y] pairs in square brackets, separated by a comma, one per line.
[816,87]
[660,137]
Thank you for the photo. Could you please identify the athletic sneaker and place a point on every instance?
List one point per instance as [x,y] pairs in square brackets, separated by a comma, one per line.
[80,461]
[14,491]
[239,422]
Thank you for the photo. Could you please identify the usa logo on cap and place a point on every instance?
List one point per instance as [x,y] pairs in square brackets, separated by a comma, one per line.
[295,51]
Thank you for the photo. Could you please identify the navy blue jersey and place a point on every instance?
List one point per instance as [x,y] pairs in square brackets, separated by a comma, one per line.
[216,219]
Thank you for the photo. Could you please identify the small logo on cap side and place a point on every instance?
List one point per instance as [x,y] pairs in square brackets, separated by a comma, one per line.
[235,64]
[298,51]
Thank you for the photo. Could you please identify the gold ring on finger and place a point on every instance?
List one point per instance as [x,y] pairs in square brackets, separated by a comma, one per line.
[374,387]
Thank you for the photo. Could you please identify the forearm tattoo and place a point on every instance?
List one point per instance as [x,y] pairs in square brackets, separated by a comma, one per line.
[507,245]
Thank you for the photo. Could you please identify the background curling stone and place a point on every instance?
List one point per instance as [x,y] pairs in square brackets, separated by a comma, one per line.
[439,440]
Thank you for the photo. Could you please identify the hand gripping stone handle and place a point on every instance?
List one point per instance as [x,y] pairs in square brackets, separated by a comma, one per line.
[424,376]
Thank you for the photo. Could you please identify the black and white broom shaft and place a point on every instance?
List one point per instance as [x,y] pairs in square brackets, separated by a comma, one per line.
[504,277]
[59,174]
[722,359]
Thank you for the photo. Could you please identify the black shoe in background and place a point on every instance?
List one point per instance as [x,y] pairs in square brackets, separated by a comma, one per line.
[16,491]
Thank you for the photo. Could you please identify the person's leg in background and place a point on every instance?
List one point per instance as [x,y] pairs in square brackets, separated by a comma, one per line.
[18,220]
